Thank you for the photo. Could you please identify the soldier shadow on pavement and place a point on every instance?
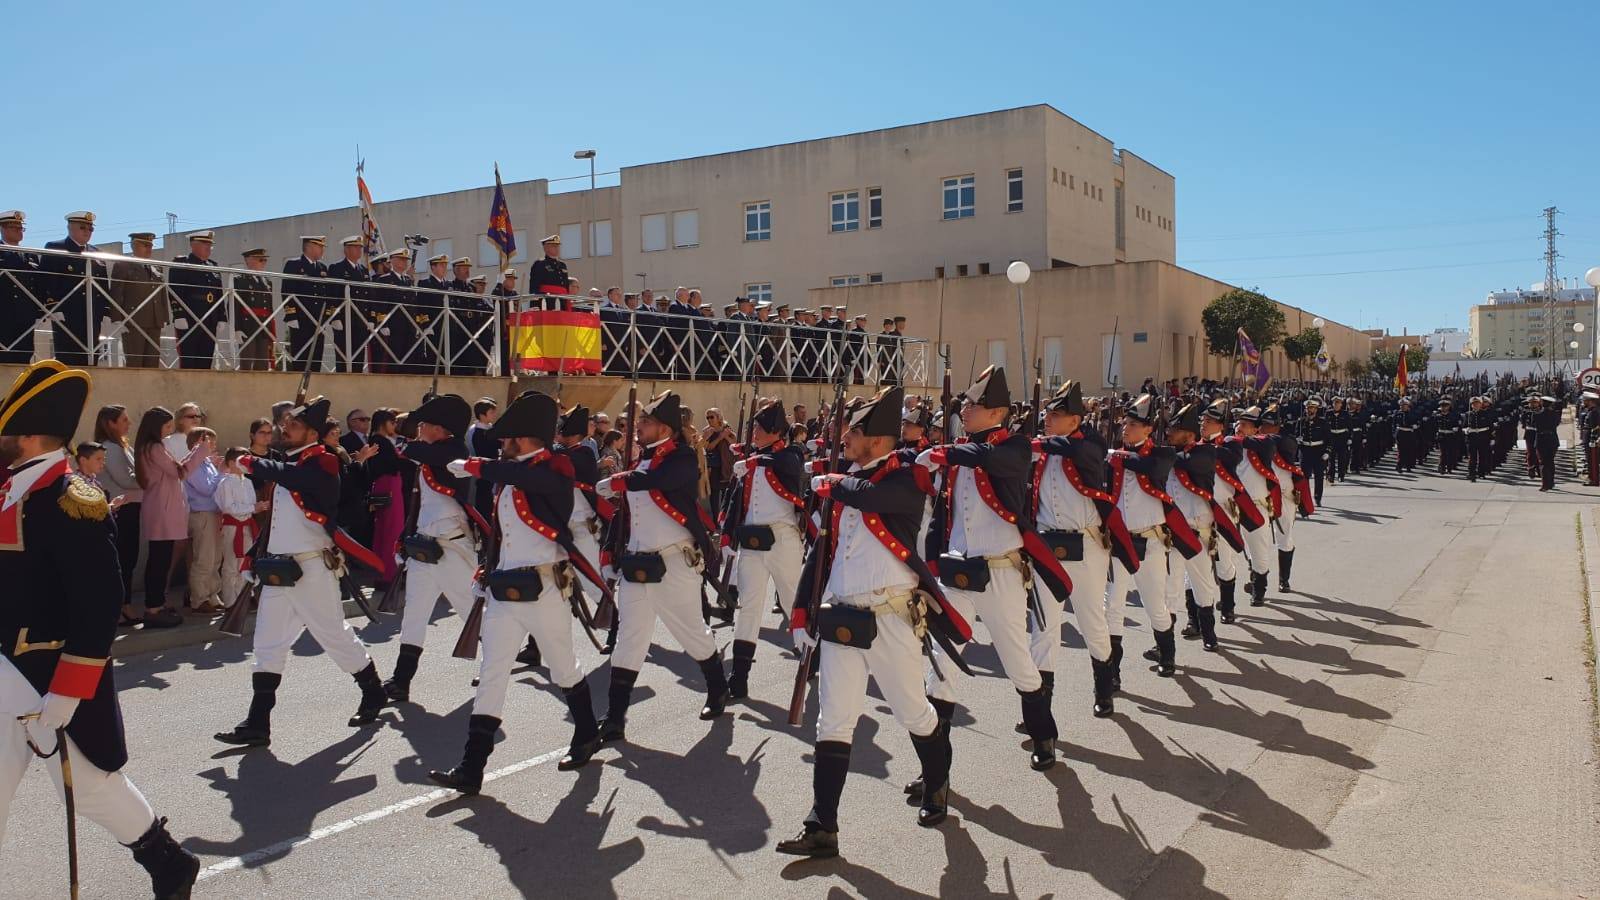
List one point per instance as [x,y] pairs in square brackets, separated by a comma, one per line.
[719,806]
[1336,660]
[1322,623]
[1309,693]
[145,670]
[276,800]
[1348,515]
[1270,730]
[435,738]
[574,831]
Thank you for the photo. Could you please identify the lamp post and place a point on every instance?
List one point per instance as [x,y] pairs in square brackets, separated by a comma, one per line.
[594,264]
[1018,274]
[1592,278]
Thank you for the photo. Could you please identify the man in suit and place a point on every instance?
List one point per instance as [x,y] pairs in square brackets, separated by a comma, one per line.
[19,289]
[198,308]
[141,301]
[76,311]
[352,269]
[303,301]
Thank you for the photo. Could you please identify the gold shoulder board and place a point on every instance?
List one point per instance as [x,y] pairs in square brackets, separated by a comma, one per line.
[84,500]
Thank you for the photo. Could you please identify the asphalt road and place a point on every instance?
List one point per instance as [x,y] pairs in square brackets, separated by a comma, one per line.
[1415,719]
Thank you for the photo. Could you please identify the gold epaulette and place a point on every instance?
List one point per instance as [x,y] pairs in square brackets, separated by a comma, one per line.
[83,499]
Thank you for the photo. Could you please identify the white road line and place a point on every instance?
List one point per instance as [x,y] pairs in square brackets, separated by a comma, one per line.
[282,847]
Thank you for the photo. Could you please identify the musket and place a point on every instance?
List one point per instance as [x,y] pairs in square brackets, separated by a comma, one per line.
[823,552]
[1111,358]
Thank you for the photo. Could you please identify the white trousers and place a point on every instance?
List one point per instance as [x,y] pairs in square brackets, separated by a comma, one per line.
[757,572]
[107,798]
[233,580]
[1151,582]
[894,660]
[1284,536]
[314,605]
[1044,638]
[450,576]
[1227,558]
[505,627]
[1198,574]
[1258,547]
[1088,607]
[1004,611]
[675,600]
[205,556]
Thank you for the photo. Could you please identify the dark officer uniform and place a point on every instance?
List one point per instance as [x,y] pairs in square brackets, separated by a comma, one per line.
[471,324]
[303,303]
[549,275]
[196,295]
[18,279]
[362,315]
[64,293]
[394,318]
[1314,434]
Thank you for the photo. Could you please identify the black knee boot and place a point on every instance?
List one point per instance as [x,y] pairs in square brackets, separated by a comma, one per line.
[716,687]
[945,710]
[934,752]
[613,727]
[468,777]
[373,699]
[1258,588]
[744,655]
[1166,651]
[1116,663]
[585,730]
[398,687]
[1049,687]
[172,869]
[1191,630]
[530,655]
[1041,727]
[1208,627]
[1285,563]
[1103,706]
[1225,600]
[820,836]
[256,729]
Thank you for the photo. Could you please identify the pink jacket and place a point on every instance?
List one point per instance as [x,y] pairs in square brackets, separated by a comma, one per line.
[164,514]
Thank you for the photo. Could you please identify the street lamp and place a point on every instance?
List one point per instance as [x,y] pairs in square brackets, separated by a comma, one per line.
[1592,278]
[594,276]
[1317,323]
[1018,274]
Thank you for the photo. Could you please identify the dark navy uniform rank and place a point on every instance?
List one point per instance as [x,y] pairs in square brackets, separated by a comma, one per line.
[548,275]
[67,294]
[393,316]
[471,330]
[1314,435]
[197,295]
[364,309]
[427,317]
[304,305]
[58,559]
[20,286]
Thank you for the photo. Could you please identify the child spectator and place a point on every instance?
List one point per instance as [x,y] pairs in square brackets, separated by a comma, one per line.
[90,459]
[236,501]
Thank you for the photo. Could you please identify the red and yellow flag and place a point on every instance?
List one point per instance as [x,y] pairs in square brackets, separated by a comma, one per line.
[1400,378]
[556,341]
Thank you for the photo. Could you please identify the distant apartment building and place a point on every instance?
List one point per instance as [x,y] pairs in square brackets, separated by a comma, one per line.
[1447,340]
[1520,324]
[944,199]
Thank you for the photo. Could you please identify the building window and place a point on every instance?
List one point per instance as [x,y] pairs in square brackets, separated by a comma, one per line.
[489,254]
[571,240]
[653,232]
[961,270]
[844,280]
[938,271]
[960,197]
[1141,337]
[983,268]
[874,207]
[844,211]
[1072,182]
[686,228]
[600,232]
[875,278]
[1013,190]
[758,221]
[760,292]
[1122,220]
[1055,175]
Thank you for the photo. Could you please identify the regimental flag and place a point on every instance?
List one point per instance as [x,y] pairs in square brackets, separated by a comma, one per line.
[1400,377]
[553,340]
[500,232]
[1255,368]
[371,236]
[1323,359]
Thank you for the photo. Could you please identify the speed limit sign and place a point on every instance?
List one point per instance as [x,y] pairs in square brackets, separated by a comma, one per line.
[1589,380]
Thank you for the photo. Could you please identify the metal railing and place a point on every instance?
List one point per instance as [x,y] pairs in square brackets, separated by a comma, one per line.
[105,309]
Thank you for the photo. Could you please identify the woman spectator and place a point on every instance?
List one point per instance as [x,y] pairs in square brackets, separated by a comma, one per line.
[163,514]
[111,427]
[611,453]
[717,439]
[261,437]
[388,517]
[353,516]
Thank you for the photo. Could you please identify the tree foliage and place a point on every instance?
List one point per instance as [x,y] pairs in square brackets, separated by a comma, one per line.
[1387,362]
[1303,346]
[1260,318]
[1356,368]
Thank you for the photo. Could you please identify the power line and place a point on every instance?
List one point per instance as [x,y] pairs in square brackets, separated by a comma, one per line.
[1356,230]
[1493,262]
[1355,252]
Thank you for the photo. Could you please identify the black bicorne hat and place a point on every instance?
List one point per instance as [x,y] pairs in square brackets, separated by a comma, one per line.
[47,398]
[1217,411]
[919,417]
[314,413]
[990,390]
[1142,409]
[448,411]
[532,414]
[1270,416]
[574,422]
[772,419]
[1068,399]
[666,409]
[880,416]
[1187,418]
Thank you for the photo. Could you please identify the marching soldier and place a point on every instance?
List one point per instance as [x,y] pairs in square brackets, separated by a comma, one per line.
[762,524]
[1284,453]
[253,316]
[1338,441]
[526,583]
[19,289]
[1083,528]
[1359,418]
[198,311]
[1234,501]
[1255,472]
[1589,437]
[659,544]
[440,543]
[985,528]
[59,563]
[1546,419]
[881,606]
[914,429]
[300,570]
[1315,436]
[304,301]
[1138,478]
[1191,486]
[1479,426]
[1447,422]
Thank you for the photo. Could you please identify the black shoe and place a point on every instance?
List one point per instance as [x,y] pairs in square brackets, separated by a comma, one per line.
[744,655]
[812,841]
[579,754]
[398,687]
[613,732]
[256,729]
[1103,707]
[613,726]
[716,688]
[1225,616]
[935,806]
[1191,631]
[243,735]
[1044,755]
[1208,629]
[913,791]
[1166,648]
[373,698]
[172,869]
[460,779]
[467,777]
[1153,654]
[585,730]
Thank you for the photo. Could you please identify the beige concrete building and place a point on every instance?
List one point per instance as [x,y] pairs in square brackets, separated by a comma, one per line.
[956,197]
[1519,330]
[1102,325]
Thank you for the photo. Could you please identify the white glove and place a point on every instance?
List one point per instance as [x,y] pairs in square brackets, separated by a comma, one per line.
[180,324]
[803,640]
[457,467]
[54,711]
[605,489]
[817,481]
[740,468]
[925,459]
[610,573]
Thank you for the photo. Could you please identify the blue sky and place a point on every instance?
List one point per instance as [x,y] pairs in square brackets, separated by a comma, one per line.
[1410,144]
